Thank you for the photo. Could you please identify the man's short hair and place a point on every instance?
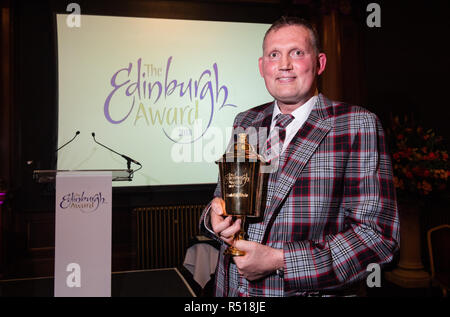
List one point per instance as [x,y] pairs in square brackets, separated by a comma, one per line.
[293,20]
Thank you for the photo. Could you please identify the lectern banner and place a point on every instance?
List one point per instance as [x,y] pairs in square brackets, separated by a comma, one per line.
[83,234]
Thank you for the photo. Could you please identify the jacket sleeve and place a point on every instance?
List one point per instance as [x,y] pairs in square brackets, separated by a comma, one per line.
[205,219]
[371,230]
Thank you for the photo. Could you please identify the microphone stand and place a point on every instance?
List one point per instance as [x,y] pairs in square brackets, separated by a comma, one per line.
[129,160]
[76,134]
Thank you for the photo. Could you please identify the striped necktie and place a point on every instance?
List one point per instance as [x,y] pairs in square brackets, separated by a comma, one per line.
[277,136]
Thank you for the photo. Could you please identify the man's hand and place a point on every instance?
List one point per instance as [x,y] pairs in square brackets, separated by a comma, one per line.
[223,227]
[259,260]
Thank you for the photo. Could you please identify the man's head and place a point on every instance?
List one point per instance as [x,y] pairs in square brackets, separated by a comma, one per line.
[291,62]
[290,20]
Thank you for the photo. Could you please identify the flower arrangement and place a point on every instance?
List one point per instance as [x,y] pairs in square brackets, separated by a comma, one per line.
[419,158]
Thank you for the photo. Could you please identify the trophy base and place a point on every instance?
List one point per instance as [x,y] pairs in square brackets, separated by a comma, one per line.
[234,252]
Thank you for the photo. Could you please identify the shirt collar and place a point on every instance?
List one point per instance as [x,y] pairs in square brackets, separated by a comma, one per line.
[300,111]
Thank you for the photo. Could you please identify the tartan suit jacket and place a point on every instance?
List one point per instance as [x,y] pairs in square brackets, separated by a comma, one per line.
[332,209]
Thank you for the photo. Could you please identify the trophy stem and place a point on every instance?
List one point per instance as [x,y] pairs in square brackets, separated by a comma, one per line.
[240,236]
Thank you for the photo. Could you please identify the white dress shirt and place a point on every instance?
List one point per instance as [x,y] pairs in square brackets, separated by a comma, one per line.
[300,114]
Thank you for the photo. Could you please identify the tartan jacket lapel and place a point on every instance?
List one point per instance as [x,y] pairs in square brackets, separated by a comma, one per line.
[264,118]
[298,153]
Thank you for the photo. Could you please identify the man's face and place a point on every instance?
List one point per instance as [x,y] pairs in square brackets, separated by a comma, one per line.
[289,65]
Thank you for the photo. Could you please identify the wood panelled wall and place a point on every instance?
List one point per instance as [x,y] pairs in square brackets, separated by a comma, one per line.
[6,74]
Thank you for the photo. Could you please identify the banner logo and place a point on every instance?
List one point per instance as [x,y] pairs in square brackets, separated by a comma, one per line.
[86,203]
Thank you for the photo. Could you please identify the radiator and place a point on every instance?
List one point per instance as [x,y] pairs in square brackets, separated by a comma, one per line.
[163,234]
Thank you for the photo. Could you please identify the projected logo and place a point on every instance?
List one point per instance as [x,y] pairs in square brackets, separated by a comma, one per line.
[149,95]
[86,203]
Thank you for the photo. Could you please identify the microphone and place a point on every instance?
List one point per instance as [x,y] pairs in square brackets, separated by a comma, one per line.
[76,134]
[129,159]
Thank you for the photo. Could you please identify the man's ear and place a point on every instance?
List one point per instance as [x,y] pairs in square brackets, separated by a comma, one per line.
[321,63]
[260,63]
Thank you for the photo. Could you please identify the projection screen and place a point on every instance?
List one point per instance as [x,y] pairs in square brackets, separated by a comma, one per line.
[161,91]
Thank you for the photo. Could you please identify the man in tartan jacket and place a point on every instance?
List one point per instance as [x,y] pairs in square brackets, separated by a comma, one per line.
[331,207]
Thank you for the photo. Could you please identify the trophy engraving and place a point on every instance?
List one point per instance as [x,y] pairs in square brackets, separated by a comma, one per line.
[241,184]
